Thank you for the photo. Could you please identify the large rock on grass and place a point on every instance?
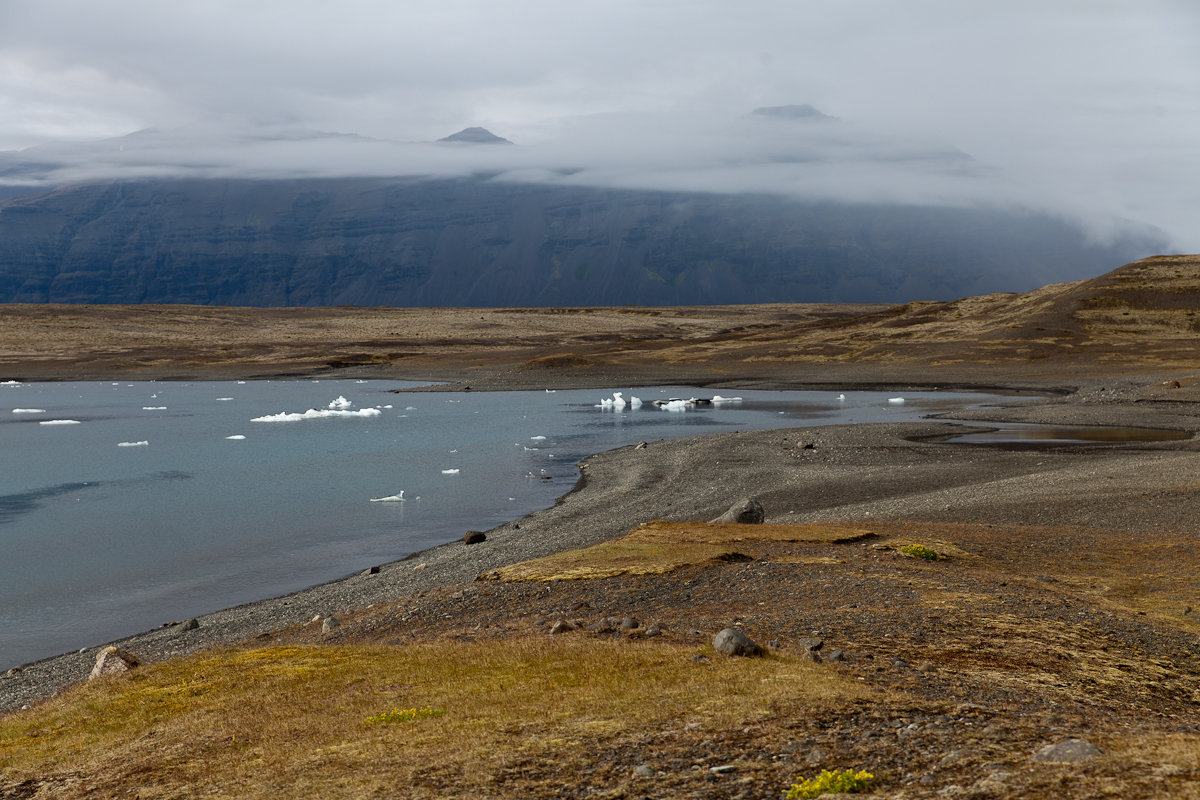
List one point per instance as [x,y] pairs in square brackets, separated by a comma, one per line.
[113,661]
[733,642]
[743,512]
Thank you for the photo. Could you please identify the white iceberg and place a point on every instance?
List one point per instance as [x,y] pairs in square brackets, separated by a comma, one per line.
[314,413]
[11,383]
[132,444]
[718,399]
[29,411]
[224,398]
[896,401]
[538,438]
[340,402]
[236,436]
[391,498]
[59,422]
[154,408]
[449,472]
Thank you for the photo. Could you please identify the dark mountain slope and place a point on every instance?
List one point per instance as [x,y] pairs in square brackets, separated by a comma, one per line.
[475,242]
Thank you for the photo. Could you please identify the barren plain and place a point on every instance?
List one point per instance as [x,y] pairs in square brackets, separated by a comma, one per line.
[1063,606]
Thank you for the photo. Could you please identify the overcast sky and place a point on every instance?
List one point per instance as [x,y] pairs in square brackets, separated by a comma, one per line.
[1086,108]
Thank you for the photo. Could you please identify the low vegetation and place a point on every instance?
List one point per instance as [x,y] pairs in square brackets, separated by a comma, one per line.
[298,721]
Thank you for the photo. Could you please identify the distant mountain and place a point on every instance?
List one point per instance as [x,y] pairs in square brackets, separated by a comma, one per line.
[475,136]
[478,242]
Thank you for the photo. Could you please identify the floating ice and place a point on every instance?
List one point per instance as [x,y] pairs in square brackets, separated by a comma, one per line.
[718,399]
[538,438]
[59,422]
[154,408]
[11,383]
[449,472]
[548,391]
[132,444]
[674,405]
[841,397]
[635,402]
[224,398]
[29,411]
[240,383]
[391,498]
[340,402]
[236,436]
[360,381]
[896,401]
[387,406]
[410,408]
[314,413]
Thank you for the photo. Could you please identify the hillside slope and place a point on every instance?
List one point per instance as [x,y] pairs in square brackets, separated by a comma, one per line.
[372,242]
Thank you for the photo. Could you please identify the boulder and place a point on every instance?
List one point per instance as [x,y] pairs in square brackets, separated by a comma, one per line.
[1068,750]
[733,642]
[743,512]
[475,537]
[329,624]
[113,661]
[191,625]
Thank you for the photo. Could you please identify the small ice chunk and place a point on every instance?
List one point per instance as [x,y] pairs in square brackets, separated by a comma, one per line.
[240,383]
[132,444]
[391,498]
[387,406]
[224,398]
[11,383]
[59,422]
[29,411]
[237,436]
[449,472]
[154,408]
[538,438]
[718,399]
[410,408]
[841,397]
[896,401]
[635,402]
[340,402]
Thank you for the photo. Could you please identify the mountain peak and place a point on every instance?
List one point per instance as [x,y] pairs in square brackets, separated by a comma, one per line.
[475,136]
[804,112]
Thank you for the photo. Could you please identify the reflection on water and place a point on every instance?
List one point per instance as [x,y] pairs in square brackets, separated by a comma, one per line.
[1041,435]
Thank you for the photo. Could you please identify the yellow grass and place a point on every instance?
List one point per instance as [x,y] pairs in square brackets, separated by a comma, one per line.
[658,547]
[292,721]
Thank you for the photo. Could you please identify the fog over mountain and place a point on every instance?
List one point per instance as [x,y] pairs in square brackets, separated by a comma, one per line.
[941,147]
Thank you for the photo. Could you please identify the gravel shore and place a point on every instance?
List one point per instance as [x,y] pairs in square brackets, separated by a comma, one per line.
[852,472]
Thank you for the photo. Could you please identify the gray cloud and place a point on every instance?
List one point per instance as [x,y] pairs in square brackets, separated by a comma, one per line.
[1089,110]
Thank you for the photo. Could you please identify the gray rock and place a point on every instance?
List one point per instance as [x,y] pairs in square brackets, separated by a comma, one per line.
[724,769]
[743,512]
[191,625]
[113,661]
[560,627]
[811,643]
[1068,750]
[329,624]
[650,632]
[927,667]
[733,642]
[602,626]
[475,537]
[370,571]
[811,655]
[900,662]
[645,771]
[629,623]
[700,659]
[816,756]
[835,655]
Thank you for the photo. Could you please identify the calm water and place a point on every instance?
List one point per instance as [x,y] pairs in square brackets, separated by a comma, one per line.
[142,510]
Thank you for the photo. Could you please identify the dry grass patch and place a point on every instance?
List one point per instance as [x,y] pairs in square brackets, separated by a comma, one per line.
[292,721]
[658,547]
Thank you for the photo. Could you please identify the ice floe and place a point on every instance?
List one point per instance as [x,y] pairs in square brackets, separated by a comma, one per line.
[538,438]
[132,444]
[718,399]
[10,383]
[59,422]
[154,408]
[896,401]
[391,498]
[236,436]
[449,472]
[317,413]
[29,411]
[224,398]
[340,402]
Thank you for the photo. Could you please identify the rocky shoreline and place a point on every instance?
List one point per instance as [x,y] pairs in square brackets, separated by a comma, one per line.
[852,472]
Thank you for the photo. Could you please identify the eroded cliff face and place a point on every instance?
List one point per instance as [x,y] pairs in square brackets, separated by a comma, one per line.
[476,242]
